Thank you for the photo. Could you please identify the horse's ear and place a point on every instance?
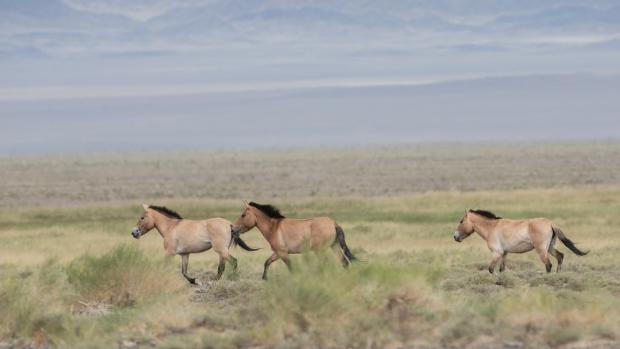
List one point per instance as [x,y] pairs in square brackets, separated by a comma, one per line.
[145,207]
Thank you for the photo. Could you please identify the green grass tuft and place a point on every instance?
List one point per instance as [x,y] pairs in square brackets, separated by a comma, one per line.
[120,277]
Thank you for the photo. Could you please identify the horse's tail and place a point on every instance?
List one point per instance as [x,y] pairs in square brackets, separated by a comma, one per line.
[235,239]
[343,245]
[567,242]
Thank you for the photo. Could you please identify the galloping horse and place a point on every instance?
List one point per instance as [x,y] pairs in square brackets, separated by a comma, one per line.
[505,236]
[185,236]
[289,236]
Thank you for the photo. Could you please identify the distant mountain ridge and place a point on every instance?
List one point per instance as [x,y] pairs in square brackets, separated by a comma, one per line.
[537,107]
[101,26]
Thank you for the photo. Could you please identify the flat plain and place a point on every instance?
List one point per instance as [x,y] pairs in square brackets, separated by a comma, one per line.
[72,276]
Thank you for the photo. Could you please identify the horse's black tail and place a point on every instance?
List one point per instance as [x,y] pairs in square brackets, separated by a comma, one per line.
[343,245]
[235,239]
[567,242]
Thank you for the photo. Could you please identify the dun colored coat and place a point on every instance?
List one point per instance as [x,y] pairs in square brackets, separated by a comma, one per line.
[184,236]
[288,236]
[505,236]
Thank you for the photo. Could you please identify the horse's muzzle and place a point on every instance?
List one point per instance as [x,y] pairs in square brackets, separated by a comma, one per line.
[457,237]
[135,232]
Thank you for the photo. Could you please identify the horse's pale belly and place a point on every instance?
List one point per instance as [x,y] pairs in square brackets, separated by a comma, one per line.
[193,243]
[518,241]
[521,247]
[193,248]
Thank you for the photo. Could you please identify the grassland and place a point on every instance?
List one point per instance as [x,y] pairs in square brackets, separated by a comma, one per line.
[298,173]
[71,275]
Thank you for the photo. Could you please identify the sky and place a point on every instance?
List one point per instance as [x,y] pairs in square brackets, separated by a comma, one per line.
[113,75]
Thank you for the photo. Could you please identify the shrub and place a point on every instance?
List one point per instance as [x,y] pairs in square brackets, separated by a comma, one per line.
[32,304]
[120,277]
[323,304]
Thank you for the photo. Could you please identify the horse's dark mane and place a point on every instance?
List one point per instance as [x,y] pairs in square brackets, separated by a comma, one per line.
[166,211]
[269,210]
[486,214]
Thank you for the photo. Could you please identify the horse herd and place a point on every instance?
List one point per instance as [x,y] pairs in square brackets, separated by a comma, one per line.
[291,236]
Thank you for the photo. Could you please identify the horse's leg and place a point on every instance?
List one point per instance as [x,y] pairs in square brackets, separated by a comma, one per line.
[268,262]
[284,257]
[220,268]
[544,257]
[184,262]
[233,261]
[496,258]
[220,245]
[502,265]
[559,256]
[225,257]
[287,261]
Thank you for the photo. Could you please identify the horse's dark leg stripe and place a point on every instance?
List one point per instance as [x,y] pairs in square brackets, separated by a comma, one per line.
[184,263]
[221,267]
[502,265]
[268,262]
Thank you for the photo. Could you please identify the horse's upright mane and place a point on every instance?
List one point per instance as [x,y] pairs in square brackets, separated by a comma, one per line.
[166,211]
[269,210]
[486,214]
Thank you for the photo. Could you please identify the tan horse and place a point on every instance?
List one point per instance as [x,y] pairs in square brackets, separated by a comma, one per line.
[185,236]
[290,236]
[505,236]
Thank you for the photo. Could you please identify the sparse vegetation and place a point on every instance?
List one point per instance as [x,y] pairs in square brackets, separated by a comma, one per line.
[71,276]
[120,277]
[295,173]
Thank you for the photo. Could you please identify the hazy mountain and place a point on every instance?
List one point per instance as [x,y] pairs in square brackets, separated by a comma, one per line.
[543,108]
[57,26]
[85,74]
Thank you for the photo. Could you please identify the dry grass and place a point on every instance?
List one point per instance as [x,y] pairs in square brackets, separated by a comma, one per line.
[275,174]
[71,276]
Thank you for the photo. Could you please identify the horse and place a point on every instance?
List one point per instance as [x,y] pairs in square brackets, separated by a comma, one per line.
[505,236]
[184,236]
[291,236]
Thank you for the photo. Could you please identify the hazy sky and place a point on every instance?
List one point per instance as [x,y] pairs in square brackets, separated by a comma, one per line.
[80,75]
